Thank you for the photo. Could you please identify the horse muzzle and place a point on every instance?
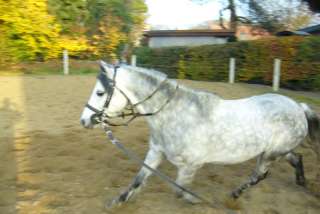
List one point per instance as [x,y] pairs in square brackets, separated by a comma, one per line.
[86,124]
[90,123]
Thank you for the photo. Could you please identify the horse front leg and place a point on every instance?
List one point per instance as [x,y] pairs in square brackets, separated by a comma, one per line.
[153,159]
[185,177]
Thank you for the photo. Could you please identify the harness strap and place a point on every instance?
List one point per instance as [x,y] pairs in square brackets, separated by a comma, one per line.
[107,103]
[153,93]
[93,109]
[156,111]
[133,113]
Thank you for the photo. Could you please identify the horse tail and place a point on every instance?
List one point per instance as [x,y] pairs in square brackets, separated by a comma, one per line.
[313,128]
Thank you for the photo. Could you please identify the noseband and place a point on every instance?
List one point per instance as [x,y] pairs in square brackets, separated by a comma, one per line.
[110,86]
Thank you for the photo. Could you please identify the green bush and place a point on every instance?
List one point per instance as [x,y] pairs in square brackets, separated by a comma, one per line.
[300,68]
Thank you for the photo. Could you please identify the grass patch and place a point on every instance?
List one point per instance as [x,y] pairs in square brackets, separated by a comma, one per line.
[54,67]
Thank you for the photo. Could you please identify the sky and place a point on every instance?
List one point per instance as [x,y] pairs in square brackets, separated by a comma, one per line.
[180,14]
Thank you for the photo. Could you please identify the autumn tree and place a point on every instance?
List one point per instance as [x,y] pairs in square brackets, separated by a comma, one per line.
[70,14]
[313,4]
[277,15]
[40,29]
[28,31]
[272,15]
[115,24]
[232,8]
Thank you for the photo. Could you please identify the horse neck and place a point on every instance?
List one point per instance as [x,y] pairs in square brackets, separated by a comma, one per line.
[139,86]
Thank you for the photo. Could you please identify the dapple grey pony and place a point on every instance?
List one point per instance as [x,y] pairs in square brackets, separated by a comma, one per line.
[192,127]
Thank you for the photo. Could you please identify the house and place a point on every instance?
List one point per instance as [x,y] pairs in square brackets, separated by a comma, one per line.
[292,33]
[244,31]
[251,32]
[170,38]
[313,30]
[307,31]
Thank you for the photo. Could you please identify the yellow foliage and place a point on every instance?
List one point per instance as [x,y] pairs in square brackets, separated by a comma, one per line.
[110,37]
[30,32]
[74,45]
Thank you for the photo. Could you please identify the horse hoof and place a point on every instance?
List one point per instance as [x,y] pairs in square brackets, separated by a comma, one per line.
[301,182]
[235,195]
[112,204]
[179,194]
[191,199]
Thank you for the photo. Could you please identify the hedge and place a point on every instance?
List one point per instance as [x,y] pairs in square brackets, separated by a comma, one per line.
[300,57]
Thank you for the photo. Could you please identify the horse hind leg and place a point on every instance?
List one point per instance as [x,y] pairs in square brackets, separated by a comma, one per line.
[295,161]
[257,175]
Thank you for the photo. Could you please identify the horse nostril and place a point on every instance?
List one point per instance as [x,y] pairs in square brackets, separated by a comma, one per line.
[83,122]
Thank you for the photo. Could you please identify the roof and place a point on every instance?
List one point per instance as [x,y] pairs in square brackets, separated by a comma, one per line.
[189,33]
[292,33]
[311,29]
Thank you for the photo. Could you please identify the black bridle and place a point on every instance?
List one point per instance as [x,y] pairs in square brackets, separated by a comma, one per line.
[110,86]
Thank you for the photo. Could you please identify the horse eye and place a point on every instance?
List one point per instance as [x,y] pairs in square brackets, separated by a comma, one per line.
[100,93]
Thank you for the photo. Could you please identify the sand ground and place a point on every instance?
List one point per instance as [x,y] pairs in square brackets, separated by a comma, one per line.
[50,164]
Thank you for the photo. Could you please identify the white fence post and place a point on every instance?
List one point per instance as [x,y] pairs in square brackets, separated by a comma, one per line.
[65,62]
[276,74]
[232,70]
[134,60]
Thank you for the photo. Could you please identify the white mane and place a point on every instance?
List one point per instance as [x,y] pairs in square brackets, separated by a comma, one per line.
[148,72]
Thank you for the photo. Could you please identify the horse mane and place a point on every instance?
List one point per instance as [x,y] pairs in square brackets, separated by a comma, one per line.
[159,76]
[146,72]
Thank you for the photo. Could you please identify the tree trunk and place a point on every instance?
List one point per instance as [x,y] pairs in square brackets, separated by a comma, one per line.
[233,15]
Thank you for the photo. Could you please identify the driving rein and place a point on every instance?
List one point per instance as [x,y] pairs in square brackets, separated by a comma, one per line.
[109,86]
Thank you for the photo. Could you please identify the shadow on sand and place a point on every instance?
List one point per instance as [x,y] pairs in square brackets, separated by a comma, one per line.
[8,166]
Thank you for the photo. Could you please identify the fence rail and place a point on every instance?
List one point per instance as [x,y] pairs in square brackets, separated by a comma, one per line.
[230,70]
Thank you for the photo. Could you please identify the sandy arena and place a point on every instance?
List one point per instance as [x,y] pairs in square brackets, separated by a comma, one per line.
[49,164]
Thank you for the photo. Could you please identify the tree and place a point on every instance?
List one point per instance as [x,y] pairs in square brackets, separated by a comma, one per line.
[39,30]
[109,39]
[314,5]
[234,18]
[28,31]
[272,15]
[115,24]
[71,15]
[277,15]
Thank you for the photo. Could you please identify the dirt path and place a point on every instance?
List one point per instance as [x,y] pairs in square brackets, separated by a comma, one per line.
[49,164]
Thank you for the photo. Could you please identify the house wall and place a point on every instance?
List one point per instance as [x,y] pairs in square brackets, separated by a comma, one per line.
[247,32]
[159,42]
